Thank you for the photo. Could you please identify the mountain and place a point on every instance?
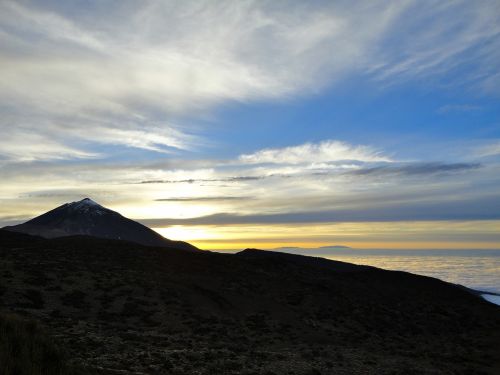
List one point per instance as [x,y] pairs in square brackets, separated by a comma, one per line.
[118,307]
[89,218]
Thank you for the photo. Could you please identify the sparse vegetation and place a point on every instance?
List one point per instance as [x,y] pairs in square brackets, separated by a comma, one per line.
[116,307]
[25,349]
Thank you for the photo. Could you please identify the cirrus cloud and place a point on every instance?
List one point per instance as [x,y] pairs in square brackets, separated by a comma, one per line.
[325,151]
[81,73]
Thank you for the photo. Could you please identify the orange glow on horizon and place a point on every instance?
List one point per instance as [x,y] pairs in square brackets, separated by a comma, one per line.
[216,245]
[372,235]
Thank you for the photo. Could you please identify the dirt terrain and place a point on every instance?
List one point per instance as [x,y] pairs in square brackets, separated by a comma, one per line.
[120,308]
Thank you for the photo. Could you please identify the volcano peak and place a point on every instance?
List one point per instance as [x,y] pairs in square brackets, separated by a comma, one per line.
[87,217]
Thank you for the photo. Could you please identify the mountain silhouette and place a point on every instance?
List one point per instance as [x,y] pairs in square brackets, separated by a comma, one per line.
[89,218]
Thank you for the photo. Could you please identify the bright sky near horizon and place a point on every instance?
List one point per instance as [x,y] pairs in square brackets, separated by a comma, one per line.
[236,124]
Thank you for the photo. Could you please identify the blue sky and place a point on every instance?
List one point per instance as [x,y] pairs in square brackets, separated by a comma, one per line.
[364,114]
[208,119]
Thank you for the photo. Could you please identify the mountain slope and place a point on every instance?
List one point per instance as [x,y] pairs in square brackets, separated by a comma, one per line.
[27,349]
[255,312]
[89,218]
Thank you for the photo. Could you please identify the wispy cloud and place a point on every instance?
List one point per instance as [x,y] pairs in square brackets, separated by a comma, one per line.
[202,180]
[326,151]
[384,170]
[451,42]
[85,75]
[415,169]
[468,209]
[229,191]
[203,199]
[490,149]
[24,146]
[476,209]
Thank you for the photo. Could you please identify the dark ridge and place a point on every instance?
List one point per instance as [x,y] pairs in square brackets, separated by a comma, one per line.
[9,239]
[26,349]
[275,257]
[120,307]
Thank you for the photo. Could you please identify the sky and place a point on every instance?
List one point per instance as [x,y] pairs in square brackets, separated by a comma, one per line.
[234,124]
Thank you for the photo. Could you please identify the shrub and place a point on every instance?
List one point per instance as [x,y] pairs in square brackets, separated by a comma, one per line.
[25,349]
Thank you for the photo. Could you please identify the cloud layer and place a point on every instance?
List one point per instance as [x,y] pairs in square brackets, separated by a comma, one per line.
[132,74]
[317,185]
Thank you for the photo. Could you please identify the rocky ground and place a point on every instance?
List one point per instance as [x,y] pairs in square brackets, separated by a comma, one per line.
[120,308]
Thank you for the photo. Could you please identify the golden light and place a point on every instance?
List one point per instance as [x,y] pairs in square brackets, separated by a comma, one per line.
[401,235]
[185,233]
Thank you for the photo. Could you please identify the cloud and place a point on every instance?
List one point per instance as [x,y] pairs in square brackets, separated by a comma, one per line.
[228,191]
[315,170]
[309,159]
[160,139]
[23,146]
[326,151]
[83,75]
[481,208]
[415,169]
[491,149]
[203,199]
[202,180]
[454,43]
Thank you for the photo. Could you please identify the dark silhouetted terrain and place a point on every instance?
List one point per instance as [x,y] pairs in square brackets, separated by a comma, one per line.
[25,348]
[121,308]
[87,217]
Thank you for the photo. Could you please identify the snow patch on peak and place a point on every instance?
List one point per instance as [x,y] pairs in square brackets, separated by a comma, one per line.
[87,205]
[88,201]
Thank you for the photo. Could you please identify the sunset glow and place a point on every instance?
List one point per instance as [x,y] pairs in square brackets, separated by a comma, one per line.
[403,235]
[357,124]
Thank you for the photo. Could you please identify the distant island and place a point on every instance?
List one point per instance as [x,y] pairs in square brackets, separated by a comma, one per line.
[335,247]
[312,248]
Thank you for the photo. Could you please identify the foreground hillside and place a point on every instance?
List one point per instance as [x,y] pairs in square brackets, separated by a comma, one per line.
[118,307]
[25,349]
